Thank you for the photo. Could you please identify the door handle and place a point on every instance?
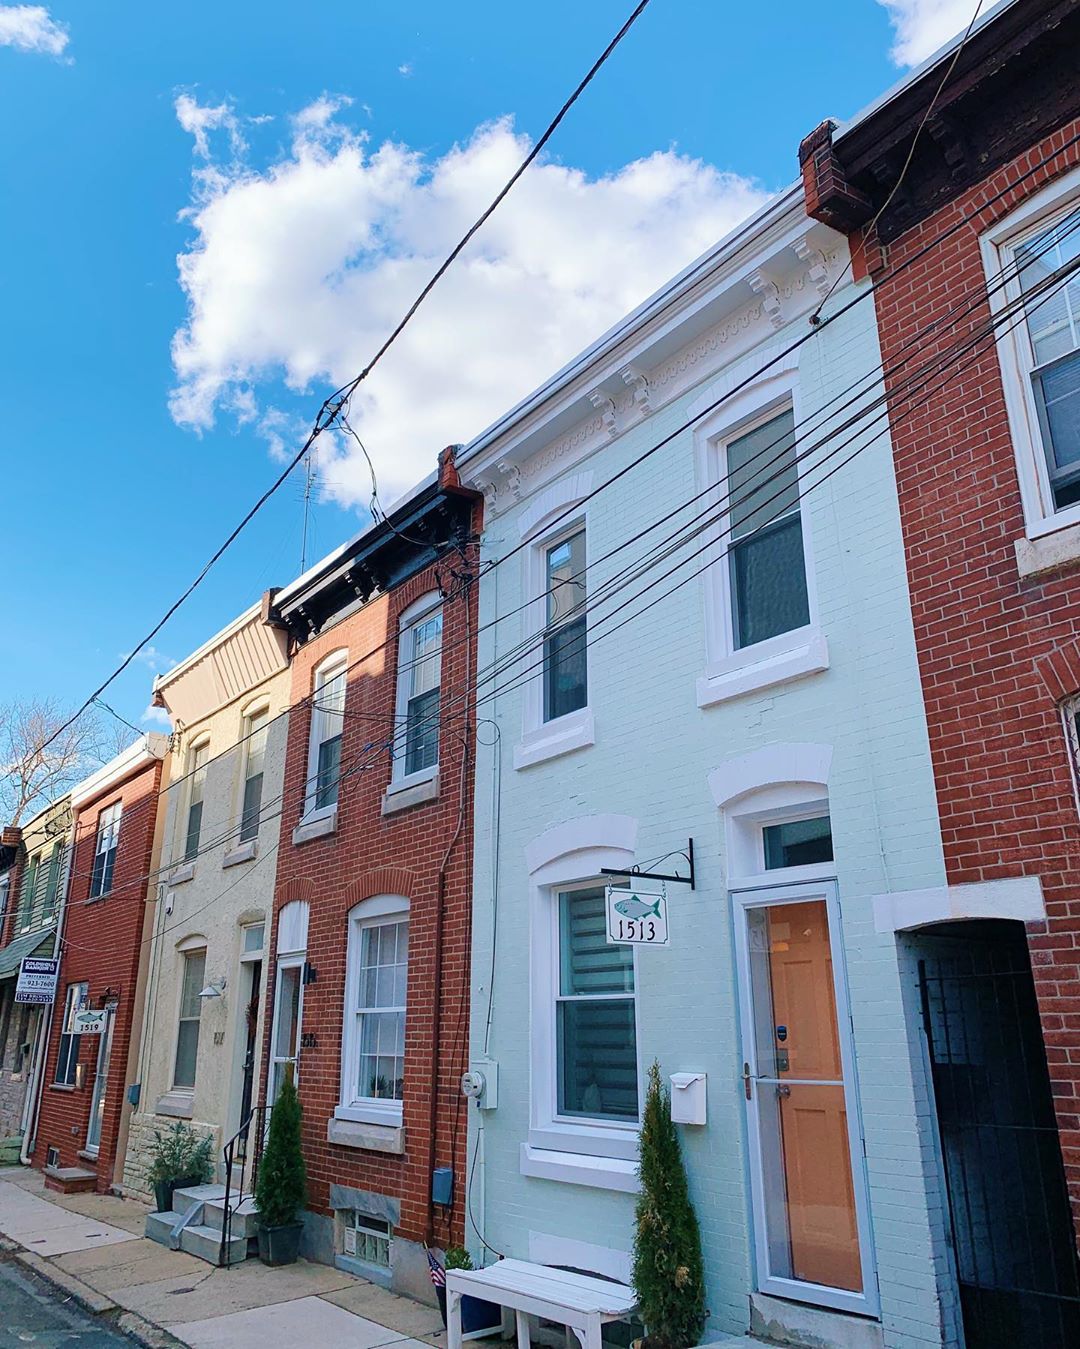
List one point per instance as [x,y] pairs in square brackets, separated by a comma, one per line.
[747,1078]
[783,1090]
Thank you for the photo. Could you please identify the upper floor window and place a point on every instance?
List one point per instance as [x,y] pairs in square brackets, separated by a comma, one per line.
[196,789]
[105,845]
[24,919]
[256,729]
[596,1033]
[565,660]
[418,691]
[373,1046]
[5,890]
[766,561]
[327,725]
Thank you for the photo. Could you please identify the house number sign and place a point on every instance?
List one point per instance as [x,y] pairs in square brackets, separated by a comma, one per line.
[637,915]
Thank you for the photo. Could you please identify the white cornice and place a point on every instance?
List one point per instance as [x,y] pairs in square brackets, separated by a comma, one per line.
[144,751]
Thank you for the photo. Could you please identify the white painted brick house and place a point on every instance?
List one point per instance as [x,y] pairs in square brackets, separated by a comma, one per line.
[769,709]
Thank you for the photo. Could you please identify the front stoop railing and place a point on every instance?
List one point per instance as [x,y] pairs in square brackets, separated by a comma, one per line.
[245,1146]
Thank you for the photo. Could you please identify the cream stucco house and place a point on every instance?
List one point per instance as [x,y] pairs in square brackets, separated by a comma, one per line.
[202,1042]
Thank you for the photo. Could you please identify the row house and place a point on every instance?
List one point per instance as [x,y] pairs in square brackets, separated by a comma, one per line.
[85,1111]
[368,956]
[975,262]
[700,662]
[34,870]
[219,818]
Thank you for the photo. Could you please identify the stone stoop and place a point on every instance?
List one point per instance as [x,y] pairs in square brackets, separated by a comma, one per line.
[204,1207]
[70,1179]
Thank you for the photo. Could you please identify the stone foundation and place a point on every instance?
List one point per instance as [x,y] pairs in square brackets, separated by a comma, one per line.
[140,1150]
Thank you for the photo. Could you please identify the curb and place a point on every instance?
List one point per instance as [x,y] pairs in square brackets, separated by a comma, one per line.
[133,1325]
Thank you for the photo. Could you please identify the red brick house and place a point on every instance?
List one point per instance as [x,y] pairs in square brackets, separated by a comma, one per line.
[368,986]
[82,1125]
[960,190]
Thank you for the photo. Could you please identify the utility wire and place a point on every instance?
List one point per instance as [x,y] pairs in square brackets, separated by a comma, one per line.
[333,405]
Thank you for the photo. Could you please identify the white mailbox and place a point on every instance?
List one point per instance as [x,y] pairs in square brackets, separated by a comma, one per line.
[688,1098]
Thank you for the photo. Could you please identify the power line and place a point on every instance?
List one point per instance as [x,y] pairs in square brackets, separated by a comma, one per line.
[337,401]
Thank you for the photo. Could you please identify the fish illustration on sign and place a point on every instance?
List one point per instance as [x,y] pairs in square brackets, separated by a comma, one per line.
[637,908]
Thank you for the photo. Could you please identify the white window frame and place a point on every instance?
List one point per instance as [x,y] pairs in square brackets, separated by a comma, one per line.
[540,739]
[337,662]
[190,946]
[998,246]
[380,910]
[75,997]
[600,1153]
[202,742]
[411,618]
[104,830]
[5,894]
[258,709]
[731,671]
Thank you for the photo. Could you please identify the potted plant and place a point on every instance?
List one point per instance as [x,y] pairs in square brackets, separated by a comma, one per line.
[282,1184]
[478,1316]
[180,1158]
[668,1274]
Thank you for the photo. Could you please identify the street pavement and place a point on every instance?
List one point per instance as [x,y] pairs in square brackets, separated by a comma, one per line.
[34,1313]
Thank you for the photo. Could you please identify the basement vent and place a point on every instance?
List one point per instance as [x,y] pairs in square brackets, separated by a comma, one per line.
[366,1238]
[52,1157]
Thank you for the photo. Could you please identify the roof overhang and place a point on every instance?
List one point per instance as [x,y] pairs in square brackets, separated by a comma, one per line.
[146,750]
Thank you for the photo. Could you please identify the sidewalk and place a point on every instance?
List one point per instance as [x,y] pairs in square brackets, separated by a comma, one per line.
[92,1247]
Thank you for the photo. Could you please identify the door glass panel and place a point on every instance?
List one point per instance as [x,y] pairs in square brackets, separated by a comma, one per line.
[287,1031]
[801,1113]
[101,1082]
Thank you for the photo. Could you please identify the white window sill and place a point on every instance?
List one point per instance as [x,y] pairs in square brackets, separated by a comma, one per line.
[176,1104]
[179,875]
[371,1112]
[1047,547]
[243,852]
[411,791]
[574,731]
[752,668]
[348,1133]
[315,826]
[575,1168]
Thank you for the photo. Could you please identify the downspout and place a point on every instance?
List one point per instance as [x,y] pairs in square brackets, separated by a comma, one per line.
[41,1052]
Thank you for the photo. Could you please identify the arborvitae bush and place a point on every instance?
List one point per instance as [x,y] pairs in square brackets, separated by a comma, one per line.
[282,1184]
[668,1275]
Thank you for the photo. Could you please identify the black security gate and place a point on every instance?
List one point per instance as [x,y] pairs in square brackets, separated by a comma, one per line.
[1011,1223]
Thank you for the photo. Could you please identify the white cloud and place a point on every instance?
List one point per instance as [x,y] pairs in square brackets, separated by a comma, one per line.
[156,716]
[152,658]
[405,69]
[29,28]
[200,119]
[298,269]
[922,26]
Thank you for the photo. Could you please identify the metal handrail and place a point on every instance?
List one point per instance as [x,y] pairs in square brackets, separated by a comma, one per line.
[259,1115]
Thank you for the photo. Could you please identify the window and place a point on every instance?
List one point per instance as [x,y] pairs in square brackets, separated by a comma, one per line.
[52,888]
[327,724]
[25,917]
[108,836]
[595,1014]
[764,530]
[5,890]
[419,675]
[565,660]
[256,728]
[196,788]
[67,1055]
[192,982]
[1052,329]
[798,843]
[366,1238]
[373,1052]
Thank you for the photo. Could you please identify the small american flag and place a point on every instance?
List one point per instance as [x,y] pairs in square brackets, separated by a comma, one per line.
[438,1274]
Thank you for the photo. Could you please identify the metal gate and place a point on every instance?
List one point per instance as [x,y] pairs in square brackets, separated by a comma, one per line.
[1011,1223]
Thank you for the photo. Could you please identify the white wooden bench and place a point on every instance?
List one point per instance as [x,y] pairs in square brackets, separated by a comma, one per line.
[577,1301]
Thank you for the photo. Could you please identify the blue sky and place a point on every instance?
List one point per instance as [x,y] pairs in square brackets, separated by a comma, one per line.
[301,161]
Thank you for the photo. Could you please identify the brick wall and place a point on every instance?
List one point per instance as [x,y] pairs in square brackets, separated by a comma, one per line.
[373,854]
[102,945]
[995,650]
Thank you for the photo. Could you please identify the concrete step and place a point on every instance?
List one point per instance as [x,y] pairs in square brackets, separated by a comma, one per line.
[245,1218]
[70,1179]
[184,1200]
[159,1226]
[205,1242]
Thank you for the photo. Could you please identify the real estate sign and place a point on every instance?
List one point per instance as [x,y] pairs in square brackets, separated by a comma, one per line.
[37,980]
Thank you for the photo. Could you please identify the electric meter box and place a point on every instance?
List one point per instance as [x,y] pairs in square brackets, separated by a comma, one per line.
[688,1098]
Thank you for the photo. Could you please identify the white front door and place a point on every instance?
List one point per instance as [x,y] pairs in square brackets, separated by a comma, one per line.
[101,1082]
[288,1016]
[809,1187]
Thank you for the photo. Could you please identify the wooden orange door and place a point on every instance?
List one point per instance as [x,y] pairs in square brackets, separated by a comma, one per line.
[814,1154]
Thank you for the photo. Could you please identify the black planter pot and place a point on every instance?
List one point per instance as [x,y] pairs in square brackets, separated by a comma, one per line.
[165,1189]
[477,1314]
[280,1245]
